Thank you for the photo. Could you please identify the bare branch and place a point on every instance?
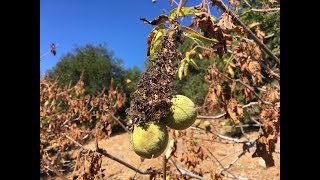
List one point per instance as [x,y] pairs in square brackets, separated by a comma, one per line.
[104,152]
[164,167]
[179,8]
[220,136]
[211,117]
[52,168]
[239,156]
[250,104]
[219,163]
[185,172]
[265,10]
[123,126]
[269,36]
[221,5]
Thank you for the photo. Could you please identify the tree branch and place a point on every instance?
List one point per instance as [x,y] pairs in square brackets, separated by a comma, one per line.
[123,126]
[239,156]
[265,10]
[219,163]
[222,6]
[211,117]
[220,136]
[185,172]
[104,152]
[179,8]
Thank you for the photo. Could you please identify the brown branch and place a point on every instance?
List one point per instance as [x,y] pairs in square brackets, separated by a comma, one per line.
[104,152]
[164,167]
[179,8]
[221,5]
[123,126]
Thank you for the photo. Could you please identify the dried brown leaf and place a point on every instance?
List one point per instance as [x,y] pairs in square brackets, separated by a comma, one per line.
[235,110]
[226,21]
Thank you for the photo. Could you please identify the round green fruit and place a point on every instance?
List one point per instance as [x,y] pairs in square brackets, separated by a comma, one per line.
[149,141]
[183,113]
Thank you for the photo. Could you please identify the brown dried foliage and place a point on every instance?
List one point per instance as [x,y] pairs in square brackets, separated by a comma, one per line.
[68,111]
[151,100]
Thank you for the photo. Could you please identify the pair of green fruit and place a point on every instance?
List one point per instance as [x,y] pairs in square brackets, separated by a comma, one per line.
[151,140]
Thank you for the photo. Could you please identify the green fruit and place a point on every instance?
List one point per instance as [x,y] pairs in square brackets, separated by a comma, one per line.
[151,140]
[207,125]
[197,122]
[183,113]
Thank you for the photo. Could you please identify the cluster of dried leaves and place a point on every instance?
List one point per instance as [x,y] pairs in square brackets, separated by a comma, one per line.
[151,100]
[69,112]
[242,79]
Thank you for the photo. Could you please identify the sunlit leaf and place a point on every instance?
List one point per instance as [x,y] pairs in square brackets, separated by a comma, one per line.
[183,12]
[231,71]
[192,33]
[180,70]
[154,40]
[185,68]
[191,61]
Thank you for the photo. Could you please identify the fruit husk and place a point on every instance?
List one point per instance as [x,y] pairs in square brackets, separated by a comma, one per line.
[183,113]
[149,140]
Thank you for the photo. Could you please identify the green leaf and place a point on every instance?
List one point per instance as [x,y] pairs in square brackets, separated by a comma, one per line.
[180,70]
[156,40]
[185,68]
[183,12]
[191,61]
[231,72]
[192,33]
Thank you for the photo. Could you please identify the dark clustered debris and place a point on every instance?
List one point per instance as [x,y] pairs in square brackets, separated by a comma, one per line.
[151,100]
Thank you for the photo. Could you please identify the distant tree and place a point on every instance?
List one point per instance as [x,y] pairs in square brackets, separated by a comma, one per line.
[96,63]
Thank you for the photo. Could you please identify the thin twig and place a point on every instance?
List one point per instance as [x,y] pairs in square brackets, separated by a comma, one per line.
[265,10]
[221,5]
[186,172]
[104,152]
[121,124]
[214,141]
[239,156]
[46,53]
[250,104]
[230,155]
[244,125]
[164,166]
[52,168]
[220,136]
[247,3]
[211,117]
[179,8]
[219,163]
[269,36]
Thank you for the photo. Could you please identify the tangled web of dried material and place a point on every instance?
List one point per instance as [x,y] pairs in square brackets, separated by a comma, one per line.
[151,100]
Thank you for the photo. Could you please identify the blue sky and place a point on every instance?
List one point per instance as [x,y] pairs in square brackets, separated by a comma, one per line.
[80,22]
